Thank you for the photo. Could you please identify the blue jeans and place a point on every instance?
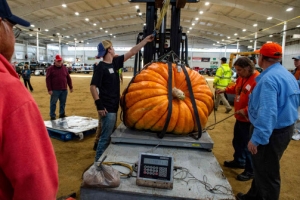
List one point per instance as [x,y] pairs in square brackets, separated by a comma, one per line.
[60,95]
[240,141]
[108,124]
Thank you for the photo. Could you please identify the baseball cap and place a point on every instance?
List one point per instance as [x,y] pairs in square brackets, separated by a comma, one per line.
[224,59]
[5,13]
[58,58]
[102,47]
[296,58]
[271,49]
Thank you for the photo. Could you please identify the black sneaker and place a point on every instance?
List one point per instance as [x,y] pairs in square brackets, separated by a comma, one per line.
[53,118]
[233,164]
[245,176]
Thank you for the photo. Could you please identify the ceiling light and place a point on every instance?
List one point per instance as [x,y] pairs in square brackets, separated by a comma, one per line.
[222,40]
[76,13]
[197,18]
[67,36]
[137,7]
[51,39]
[201,12]
[144,24]
[75,38]
[30,35]
[94,24]
[87,19]
[67,43]
[64,5]
[235,34]
[57,33]
[46,30]
[254,25]
[251,40]
[110,34]
[190,28]
[206,3]
[140,13]
[188,31]
[114,36]
[270,35]
[228,37]
[289,9]
[101,28]
[244,30]
[193,24]
[269,18]
[298,25]
[32,25]
[106,31]
[218,42]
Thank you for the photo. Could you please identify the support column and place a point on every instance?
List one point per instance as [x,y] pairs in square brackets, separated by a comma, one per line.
[37,47]
[75,52]
[255,41]
[283,41]
[59,45]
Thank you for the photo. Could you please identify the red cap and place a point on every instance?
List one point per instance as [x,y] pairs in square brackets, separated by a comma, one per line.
[58,58]
[272,50]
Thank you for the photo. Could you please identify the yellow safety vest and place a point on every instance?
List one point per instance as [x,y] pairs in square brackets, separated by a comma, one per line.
[223,76]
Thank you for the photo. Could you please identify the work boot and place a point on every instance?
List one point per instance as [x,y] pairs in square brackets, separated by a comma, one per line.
[245,176]
[234,164]
[52,118]
[228,110]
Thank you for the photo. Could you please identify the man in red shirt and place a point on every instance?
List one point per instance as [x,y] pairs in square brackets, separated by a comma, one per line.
[242,88]
[58,79]
[28,167]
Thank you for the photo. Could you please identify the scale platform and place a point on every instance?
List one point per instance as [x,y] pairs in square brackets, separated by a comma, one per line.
[125,135]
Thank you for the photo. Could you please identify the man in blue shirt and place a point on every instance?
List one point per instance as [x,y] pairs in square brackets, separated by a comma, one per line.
[272,112]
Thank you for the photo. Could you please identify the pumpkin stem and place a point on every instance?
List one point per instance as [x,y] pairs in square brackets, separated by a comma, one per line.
[178,93]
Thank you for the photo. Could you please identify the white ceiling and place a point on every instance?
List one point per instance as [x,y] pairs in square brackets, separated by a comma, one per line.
[220,20]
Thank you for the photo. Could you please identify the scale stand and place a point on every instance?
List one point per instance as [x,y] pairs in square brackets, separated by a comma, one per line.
[125,135]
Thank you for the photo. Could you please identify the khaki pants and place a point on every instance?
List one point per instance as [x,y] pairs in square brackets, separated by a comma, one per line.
[221,97]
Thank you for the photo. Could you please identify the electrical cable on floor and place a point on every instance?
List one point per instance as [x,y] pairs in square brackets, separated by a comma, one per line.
[185,174]
[123,175]
[208,128]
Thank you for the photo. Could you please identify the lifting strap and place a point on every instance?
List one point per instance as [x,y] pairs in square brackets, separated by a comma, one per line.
[193,101]
[170,98]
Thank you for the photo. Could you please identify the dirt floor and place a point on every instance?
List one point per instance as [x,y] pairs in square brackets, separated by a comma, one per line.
[75,156]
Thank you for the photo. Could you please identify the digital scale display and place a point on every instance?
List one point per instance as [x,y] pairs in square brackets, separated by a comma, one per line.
[155,171]
[156,162]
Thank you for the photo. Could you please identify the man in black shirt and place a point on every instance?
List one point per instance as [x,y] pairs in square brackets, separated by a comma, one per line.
[105,87]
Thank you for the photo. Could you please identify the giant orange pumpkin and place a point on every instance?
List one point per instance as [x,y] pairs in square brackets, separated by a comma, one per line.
[145,101]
